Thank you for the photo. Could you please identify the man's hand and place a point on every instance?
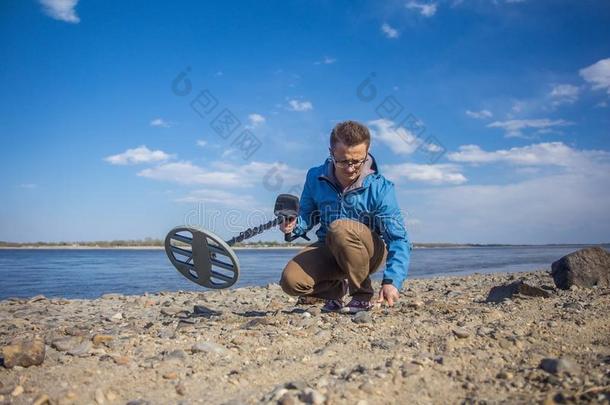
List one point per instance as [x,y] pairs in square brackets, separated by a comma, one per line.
[288,225]
[388,293]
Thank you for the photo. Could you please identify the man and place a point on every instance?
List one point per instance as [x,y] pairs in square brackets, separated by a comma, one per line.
[360,226]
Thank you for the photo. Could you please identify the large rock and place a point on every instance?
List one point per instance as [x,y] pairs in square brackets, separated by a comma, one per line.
[584,268]
[24,353]
[502,292]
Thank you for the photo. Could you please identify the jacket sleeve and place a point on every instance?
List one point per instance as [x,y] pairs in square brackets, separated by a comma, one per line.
[308,212]
[395,235]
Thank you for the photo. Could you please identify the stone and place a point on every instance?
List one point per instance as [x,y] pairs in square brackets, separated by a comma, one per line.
[42,399]
[507,291]
[116,317]
[461,333]
[311,396]
[121,360]
[101,339]
[18,390]
[99,396]
[81,350]
[315,311]
[138,402]
[37,298]
[176,355]
[24,353]
[66,343]
[172,375]
[296,385]
[287,399]
[208,347]
[202,310]
[584,268]
[560,366]
[363,317]
[180,389]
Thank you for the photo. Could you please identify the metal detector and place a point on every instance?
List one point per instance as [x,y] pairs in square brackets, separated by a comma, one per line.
[205,259]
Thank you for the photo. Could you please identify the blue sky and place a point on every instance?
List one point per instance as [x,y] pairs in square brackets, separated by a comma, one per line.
[492,117]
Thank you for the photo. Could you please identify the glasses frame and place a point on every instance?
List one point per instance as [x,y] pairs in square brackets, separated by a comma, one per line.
[356,164]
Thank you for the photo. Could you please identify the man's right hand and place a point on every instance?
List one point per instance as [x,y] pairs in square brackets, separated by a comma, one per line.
[288,225]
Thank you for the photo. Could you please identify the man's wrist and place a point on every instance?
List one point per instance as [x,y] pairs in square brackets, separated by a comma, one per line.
[387,281]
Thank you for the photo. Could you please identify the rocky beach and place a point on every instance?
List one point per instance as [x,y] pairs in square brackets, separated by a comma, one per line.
[448,340]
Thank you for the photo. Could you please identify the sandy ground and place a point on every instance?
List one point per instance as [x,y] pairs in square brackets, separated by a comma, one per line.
[441,344]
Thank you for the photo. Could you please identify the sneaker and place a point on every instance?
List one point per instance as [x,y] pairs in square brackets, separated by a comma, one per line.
[332,306]
[355,306]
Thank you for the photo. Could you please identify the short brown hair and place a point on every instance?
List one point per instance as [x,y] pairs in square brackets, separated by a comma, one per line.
[350,133]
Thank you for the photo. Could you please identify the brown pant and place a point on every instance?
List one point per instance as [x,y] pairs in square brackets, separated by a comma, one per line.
[351,251]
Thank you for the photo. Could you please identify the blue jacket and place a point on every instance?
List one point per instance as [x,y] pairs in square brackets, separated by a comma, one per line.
[372,202]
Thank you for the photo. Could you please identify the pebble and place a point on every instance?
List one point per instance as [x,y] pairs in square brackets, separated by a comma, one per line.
[180,389]
[176,355]
[208,347]
[116,317]
[24,353]
[81,350]
[315,311]
[461,333]
[121,360]
[102,339]
[18,390]
[42,399]
[559,366]
[296,385]
[416,304]
[311,396]
[99,396]
[367,387]
[172,375]
[288,399]
[363,317]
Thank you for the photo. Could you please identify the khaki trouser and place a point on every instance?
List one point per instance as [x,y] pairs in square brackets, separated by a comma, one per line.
[351,251]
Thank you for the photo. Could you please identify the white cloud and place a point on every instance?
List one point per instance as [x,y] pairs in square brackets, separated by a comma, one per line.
[542,154]
[565,208]
[201,143]
[598,74]
[159,122]
[564,94]
[138,155]
[514,128]
[326,61]
[62,10]
[479,115]
[388,31]
[222,174]
[433,174]
[400,140]
[296,105]
[256,119]
[28,185]
[425,9]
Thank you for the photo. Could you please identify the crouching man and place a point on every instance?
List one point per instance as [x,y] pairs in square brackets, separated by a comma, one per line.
[361,227]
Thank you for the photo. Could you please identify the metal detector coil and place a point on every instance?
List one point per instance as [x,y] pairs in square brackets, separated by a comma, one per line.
[202,257]
[205,259]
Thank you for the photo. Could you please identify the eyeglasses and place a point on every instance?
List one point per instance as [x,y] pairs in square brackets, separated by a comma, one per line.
[356,164]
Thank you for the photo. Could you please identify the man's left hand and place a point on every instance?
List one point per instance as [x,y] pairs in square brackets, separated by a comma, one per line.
[388,293]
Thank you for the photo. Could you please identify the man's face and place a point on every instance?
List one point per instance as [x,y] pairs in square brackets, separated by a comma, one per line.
[348,161]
